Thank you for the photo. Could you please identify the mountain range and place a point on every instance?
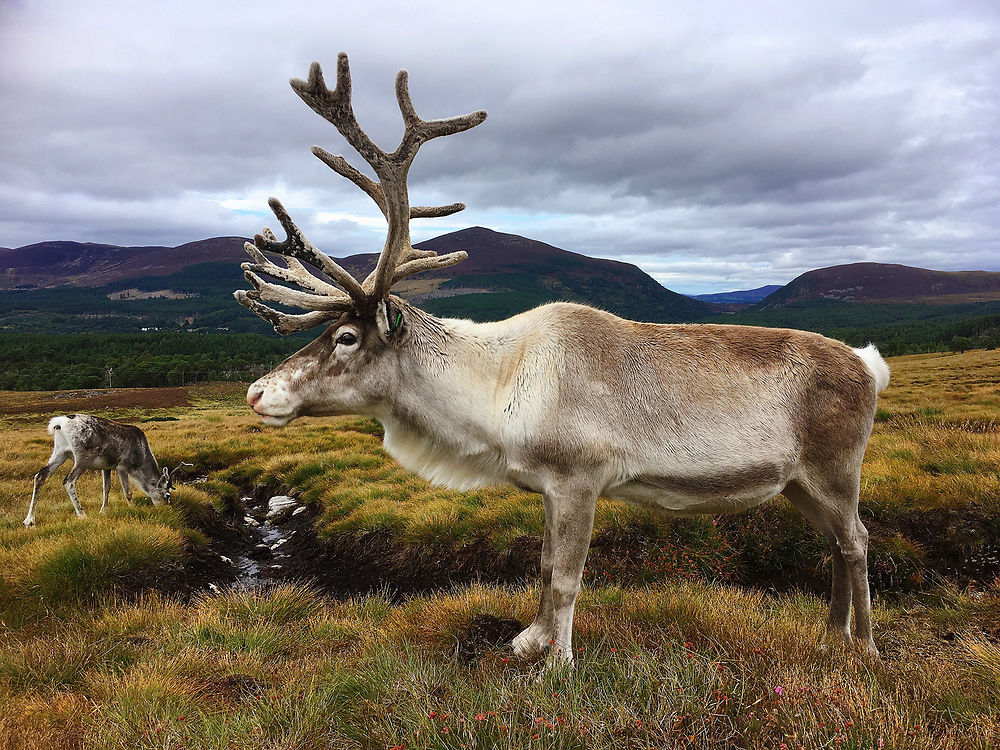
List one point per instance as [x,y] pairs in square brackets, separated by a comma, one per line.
[75,287]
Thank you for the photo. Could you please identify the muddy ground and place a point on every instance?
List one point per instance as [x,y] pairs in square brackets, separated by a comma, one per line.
[70,402]
[241,553]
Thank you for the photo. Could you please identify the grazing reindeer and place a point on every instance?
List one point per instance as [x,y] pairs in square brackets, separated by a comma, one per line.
[97,443]
[565,400]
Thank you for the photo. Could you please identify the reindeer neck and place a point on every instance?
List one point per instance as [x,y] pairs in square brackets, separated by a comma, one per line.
[451,375]
[445,419]
[147,469]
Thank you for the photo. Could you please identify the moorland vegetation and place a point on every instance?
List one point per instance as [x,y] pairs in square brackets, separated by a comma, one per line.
[691,632]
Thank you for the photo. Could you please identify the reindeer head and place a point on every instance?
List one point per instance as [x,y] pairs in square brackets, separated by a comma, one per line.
[160,492]
[352,366]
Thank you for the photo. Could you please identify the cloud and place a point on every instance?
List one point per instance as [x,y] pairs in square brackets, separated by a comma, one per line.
[715,145]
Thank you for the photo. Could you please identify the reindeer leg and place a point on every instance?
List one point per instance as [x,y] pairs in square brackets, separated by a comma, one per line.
[70,484]
[838,627]
[575,513]
[534,639]
[833,507]
[55,461]
[105,488]
[852,539]
[126,487]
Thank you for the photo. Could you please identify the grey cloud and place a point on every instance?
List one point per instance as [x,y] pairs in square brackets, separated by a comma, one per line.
[760,143]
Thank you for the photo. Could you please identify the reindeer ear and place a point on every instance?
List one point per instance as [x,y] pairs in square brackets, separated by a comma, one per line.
[388,319]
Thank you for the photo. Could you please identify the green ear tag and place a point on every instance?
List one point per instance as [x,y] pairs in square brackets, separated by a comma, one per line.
[399,321]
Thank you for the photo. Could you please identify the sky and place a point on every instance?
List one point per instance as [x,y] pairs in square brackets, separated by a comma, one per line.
[717,145]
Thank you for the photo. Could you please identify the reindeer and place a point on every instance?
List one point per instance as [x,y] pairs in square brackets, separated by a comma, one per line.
[564,400]
[97,443]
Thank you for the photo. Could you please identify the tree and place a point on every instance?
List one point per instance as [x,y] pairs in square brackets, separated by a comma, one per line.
[960,343]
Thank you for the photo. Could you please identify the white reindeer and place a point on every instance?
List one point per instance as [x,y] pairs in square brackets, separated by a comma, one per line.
[566,400]
[98,443]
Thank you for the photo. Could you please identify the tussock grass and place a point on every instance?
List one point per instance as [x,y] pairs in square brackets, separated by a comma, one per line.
[692,665]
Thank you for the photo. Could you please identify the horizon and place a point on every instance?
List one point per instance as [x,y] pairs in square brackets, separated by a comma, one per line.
[375,252]
[717,147]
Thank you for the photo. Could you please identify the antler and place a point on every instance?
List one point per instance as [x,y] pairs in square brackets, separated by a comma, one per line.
[398,258]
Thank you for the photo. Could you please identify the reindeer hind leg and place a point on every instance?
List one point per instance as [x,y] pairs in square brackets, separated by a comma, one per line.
[70,484]
[838,625]
[835,507]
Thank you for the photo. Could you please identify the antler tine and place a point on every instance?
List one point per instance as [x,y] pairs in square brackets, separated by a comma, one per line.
[282,322]
[426,264]
[433,212]
[295,273]
[341,166]
[296,246]
[419,131]
[335,107]
[294,298]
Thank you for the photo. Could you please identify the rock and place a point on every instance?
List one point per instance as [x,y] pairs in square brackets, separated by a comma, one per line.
[278,544]
[279,504]
[251,521]
[213,588]
[300,509]
[225,559]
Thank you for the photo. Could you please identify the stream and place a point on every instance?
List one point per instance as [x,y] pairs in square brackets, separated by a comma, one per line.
[269,530]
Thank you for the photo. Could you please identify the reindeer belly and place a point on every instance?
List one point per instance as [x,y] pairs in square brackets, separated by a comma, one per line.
[106,461]
[723,491]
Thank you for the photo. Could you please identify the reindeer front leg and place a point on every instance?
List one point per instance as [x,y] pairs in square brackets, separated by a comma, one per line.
[534,639]
[105,488]
[569,524]
[126,487]
[575,512]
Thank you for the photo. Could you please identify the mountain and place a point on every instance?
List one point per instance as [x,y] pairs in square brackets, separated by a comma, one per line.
[75,287]
[887,283]
[746,296]
[53,264]
[506,274]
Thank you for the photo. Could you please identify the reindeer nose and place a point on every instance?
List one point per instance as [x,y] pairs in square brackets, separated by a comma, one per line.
[254,395]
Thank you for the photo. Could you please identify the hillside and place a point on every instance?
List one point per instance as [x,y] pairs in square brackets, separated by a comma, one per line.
[89,264]
[887,282]
[506,274]
[71,287]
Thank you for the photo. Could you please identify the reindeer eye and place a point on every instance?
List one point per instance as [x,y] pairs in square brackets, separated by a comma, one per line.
[347,338]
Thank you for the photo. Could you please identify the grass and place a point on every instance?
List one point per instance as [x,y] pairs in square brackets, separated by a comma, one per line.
[674,652]
[690,665]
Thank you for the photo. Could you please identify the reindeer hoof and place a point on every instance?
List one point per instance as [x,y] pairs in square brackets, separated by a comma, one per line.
[868,650]
[29,522]
[559,658]
[530,643]
[833,639]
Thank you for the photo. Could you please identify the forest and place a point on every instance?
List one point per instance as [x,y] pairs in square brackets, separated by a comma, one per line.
[73,337]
